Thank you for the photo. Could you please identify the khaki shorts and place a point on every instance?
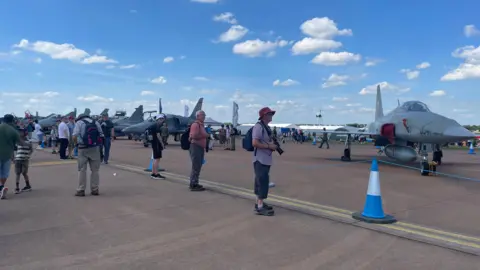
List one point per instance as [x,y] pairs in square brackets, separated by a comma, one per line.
[21,166]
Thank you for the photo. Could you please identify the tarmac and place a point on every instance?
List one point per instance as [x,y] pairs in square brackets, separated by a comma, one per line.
[140,223]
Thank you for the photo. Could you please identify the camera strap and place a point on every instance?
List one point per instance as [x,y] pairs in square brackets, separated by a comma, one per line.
[263,130]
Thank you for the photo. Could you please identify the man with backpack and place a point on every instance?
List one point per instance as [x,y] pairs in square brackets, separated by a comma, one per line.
[153,133]
[88,135]
[259,140]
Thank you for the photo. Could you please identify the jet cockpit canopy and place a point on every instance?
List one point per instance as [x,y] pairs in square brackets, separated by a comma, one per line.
[415,106]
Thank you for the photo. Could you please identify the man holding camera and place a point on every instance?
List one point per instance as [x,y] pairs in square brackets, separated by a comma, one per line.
[265,145]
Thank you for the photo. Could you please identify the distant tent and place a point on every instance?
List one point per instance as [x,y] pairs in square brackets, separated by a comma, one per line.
[210,121]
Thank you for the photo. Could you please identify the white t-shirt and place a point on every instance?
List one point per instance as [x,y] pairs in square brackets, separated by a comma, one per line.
[63,131]
[38,129]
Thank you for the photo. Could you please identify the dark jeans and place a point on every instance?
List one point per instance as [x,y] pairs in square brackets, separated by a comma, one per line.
[197,153]
[63,148]
[107,143]
[262,179]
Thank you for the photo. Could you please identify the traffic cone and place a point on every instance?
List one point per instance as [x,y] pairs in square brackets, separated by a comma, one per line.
[314,142]
[150,166]
[373,210]
[471,151]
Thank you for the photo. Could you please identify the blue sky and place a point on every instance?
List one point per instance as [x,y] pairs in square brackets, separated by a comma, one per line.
[326,56]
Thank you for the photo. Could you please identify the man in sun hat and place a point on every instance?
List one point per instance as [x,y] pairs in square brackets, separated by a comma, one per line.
[262,159]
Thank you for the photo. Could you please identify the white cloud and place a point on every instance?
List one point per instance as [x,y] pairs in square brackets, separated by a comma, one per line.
[235,32]
[147,93]
[339,99]
[227,17]
[38,60]
[335,59]
[206,1]
[411,74]
[94,98]
[438,93]
[335,80]
[384,87]
[63,51]
[372,62]
[200,78]
[470,30]
[312,45]
[257,47]
[128,66]
[423,65]
[159,80]
[353,104]
[288,82]
[168,59]
[467,70]
[323,28]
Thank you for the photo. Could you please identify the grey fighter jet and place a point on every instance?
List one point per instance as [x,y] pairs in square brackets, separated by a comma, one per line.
[120,124]
[177,124]
[410,124]
[50,121]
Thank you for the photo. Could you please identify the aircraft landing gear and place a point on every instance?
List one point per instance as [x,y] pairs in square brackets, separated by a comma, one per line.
[130,136]
[346,151]
[428,168]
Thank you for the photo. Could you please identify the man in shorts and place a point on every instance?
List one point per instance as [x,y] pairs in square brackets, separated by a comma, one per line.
[154,135]
[9,137]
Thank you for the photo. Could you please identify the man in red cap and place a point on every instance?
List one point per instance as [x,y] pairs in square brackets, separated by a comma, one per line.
[262,159]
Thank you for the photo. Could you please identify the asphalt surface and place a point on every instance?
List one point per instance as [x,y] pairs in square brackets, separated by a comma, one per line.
[140,223]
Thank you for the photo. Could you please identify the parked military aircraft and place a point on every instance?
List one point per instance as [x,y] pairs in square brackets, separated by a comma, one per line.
[409,124]
[177,124]
[120,124]
[50,121]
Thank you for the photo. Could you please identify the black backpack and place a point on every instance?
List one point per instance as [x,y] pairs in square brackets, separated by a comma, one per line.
[185,140]
[91,137]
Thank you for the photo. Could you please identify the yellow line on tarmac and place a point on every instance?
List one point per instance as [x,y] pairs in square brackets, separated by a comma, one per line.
[338,212]
[51,163]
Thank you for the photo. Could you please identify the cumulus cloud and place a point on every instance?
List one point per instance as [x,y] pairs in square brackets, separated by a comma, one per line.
[335,59]
[384,87]
[168,59]
[372,61]
[257,47]
[423,65]
[323,28]
[159,80]
[470,30]
[335,80]
[313,45]
[288,82]
[411,74]
[226,17]
[469,69]
[235,33]
[438,93]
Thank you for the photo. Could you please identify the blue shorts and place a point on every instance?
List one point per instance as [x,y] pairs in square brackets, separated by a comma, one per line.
[5,168]
[40,138]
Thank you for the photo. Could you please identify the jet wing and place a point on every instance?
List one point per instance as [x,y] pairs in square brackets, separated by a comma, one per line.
[349,132]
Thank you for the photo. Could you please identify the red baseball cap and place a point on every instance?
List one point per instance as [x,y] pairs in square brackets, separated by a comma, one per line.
[264,111]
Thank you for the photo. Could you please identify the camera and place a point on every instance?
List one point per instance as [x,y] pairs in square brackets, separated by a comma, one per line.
[279,149]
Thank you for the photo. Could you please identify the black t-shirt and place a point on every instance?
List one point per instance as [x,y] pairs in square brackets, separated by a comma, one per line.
[153,130]
[107,126]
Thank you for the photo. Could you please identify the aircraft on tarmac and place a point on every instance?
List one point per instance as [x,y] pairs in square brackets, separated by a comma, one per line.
[409,124]
[176,124]
[50,121]
[121,123]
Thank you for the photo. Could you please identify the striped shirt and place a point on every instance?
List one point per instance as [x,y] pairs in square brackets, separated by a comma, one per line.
[24,150]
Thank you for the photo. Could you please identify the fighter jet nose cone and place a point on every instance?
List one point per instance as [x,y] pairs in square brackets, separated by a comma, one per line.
[458,132]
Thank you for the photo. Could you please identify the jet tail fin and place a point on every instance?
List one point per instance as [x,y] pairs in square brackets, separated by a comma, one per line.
[137,115]
[197,108]
[379,107]
[159,105]
[105,111]
[86,112]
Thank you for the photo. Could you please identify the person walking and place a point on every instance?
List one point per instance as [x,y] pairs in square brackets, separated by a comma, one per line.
[63,135]
[9,137]
[108,132]
[22,157]
[198,144]
[324,139]
[262,160]
[88,135]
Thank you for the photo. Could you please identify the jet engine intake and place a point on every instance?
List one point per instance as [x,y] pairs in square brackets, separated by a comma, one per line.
[400,153]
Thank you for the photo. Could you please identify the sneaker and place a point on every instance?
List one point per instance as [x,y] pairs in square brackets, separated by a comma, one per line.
[27,188]
[80,193]
[3,193]
[266,206]
[197,187]
[17,191]
[95,193]
[264,211]
[157,176]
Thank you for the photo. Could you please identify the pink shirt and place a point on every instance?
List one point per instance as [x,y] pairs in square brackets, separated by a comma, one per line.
[198,134]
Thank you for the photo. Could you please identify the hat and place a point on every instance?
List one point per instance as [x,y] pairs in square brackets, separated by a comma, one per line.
[265,111]
[71,117]
[160,115]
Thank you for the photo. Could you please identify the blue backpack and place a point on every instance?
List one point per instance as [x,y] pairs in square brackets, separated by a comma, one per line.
[247,142]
